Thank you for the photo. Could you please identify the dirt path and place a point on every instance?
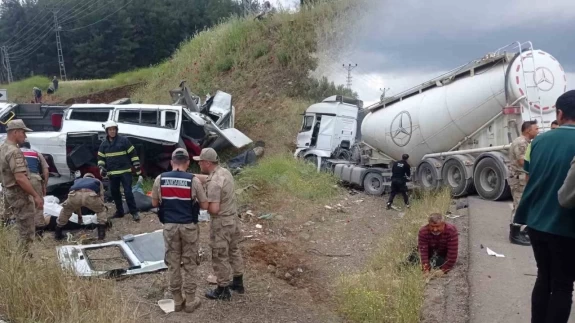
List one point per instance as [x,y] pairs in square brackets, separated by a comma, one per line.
[447,298]
[292,266]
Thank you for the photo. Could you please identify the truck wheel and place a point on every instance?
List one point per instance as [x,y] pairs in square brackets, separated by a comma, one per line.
[373,184]
[312,159]
[427,176]
[453,175]
[489,180]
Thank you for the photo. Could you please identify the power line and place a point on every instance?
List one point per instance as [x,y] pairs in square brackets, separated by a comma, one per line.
[106,17]
[91,9]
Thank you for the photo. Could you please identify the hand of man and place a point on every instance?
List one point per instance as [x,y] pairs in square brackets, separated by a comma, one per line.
[39,202]
[138,170]
[103,172]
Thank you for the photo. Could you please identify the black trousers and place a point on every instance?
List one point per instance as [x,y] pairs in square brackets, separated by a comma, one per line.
[125,180]
[398,186]
[553,291]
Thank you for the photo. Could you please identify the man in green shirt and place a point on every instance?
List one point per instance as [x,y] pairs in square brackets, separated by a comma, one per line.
[551,227]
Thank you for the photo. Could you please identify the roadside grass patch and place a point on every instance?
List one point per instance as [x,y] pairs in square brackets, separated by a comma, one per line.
[388,290]
[282,177]
[39,290]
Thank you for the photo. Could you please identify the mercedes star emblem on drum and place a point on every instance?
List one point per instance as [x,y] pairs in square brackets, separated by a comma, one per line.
[401,129]
[544,78]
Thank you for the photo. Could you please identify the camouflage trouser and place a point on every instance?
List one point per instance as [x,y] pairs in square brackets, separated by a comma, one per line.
[517,186]
[78,199]
[182,243]
[21,206]
[225,236]
[38,185]
[4,208]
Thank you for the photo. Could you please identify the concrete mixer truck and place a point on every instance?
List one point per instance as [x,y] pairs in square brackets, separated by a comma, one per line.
[457,127]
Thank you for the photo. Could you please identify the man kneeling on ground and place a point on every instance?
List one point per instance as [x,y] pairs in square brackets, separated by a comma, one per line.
[438,244]
[86,192]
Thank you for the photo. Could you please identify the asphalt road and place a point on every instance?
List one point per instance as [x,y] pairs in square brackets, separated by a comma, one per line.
[500,287]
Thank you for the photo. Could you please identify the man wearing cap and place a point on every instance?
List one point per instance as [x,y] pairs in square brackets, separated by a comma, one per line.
[179,196]
[20,195]
[225,233]
[86,192]
[39,173]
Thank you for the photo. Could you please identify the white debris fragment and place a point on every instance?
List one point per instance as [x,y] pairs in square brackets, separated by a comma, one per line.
[493,253]
[328,207]
[259,226]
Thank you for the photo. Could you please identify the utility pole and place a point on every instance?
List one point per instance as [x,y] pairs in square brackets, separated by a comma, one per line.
[349,68]
[6,63]
[383,94]
[61,65]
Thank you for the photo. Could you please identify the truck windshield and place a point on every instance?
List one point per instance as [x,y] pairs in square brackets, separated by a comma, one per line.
[307,123]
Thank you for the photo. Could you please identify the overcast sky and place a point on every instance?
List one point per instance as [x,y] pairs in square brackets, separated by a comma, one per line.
[405,42]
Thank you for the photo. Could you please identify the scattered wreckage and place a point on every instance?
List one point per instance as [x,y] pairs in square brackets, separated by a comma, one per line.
[69,136]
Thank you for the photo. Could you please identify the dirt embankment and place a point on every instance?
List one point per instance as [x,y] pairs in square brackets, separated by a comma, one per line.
[106,96]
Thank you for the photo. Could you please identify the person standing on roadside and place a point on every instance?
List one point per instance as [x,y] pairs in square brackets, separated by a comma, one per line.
[551,227]
[225,232]
[116,157]
[20,195]
[518,177]
[39,174]
[55,83]
[179,196]
[400,172]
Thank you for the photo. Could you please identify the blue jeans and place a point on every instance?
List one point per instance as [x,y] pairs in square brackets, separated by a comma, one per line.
[125,180]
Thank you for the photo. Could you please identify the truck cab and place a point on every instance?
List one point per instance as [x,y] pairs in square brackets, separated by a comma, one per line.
[327,126]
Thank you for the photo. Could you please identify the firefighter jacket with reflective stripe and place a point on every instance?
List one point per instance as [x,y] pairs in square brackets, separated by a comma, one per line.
[32,160]
[117,156]
[177,205]
[86,183]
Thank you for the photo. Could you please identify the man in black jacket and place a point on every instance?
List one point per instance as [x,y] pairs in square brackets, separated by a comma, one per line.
[400,172]
[116,157]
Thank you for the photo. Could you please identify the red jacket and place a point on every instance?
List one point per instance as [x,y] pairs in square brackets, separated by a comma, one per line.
[445,245]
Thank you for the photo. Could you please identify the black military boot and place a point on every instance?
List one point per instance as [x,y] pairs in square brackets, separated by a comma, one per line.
[136,217]
[58,235]
[388,207]
[516,237]
[40,231]
[238,285]
[220,293]
[101,231]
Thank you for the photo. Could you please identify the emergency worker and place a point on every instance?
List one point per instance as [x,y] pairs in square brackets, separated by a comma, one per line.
[400,172]
[39,173]
[225,232]
[518,177]
[20,196]
[179,196]
[116,157]
[86,192]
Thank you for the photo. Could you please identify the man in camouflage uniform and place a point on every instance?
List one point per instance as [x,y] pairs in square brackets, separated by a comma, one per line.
[225,233]
[518,177]
[39,173]
[179,196]
[86,192]
[20,195]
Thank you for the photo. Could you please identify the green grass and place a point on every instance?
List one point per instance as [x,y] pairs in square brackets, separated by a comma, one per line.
[38,290]
[387,291]
[284,177]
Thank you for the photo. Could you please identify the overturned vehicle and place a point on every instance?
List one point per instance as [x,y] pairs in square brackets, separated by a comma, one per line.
[69,136]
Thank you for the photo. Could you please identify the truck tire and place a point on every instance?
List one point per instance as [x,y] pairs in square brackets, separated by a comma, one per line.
[489,180]
[374,184]
[453,175]
[312,159]
[427,176]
